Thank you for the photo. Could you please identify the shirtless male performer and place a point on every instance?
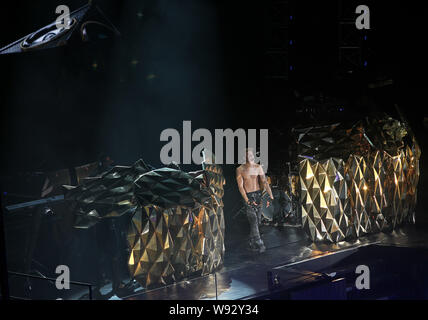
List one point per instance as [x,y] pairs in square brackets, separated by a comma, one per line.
[250,177]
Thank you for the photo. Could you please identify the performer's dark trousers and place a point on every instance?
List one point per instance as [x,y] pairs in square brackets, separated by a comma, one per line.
[253,211]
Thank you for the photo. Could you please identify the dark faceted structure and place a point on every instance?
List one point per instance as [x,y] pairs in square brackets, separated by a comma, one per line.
[177,226]
[357,179]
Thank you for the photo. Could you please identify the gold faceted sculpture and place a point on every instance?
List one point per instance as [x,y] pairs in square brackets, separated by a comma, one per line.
[177,222]
[369,185]
[168,244]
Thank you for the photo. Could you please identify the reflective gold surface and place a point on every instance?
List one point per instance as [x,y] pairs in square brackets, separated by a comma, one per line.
[171,243]
[177,225]
[369,190]
[326,210]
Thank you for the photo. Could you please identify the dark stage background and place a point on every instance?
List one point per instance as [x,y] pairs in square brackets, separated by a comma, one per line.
[197,60]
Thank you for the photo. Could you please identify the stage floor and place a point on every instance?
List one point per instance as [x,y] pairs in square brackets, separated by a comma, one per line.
[244,274]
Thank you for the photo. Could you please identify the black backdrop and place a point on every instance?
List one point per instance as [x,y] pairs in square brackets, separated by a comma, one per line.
[199,60]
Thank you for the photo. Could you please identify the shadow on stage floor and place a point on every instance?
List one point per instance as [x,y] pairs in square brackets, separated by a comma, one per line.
[244,274]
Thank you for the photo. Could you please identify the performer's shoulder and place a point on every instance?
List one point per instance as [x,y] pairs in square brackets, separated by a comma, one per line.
[258,166]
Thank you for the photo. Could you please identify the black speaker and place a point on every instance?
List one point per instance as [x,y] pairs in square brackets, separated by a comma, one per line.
[52,36]
[275,208]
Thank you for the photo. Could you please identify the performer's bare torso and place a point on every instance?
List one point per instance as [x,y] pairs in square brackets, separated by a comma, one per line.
[250,177]
[250,174]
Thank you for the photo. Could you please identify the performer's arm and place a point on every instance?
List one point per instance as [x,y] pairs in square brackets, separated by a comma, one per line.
[240,182]
[265,182]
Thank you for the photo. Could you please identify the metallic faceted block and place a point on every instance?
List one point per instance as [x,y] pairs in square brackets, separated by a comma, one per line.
[367,184]
[325,202]
[168,244]
[177,225]
[360,175]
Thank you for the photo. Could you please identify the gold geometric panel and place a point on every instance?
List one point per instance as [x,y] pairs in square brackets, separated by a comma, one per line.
[325,203]
[372,189]
[169,244]
[177,222]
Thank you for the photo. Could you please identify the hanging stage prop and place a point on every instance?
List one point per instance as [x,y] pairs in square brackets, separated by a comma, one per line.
[82,21]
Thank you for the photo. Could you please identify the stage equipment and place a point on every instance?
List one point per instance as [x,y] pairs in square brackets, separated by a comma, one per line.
[352,48]
[50,36]
[269,212]
[285,208]
[53,182]
[177,225]
[281,210]
[357,179]
[50,205]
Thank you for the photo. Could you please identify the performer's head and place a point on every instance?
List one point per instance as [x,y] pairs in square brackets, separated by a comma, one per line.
[249,155]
